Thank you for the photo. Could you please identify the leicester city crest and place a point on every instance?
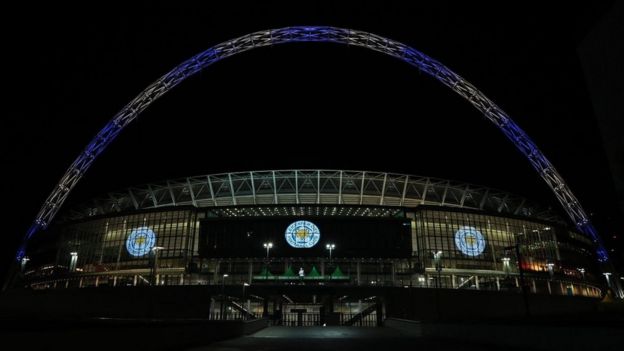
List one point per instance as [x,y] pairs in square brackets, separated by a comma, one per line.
[302,234]
[469,241]
[140,241]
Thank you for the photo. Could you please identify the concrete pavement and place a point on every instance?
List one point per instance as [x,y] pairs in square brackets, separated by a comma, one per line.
[336,338]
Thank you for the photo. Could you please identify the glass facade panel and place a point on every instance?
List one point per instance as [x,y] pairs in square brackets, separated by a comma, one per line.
[441,247]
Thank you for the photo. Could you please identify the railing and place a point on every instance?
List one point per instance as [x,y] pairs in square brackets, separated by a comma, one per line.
[360,319]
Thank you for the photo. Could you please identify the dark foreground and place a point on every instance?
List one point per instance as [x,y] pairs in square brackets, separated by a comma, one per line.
[197,335]
[338,338]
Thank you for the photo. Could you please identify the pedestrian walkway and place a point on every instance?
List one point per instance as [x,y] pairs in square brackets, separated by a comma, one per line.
[335,338]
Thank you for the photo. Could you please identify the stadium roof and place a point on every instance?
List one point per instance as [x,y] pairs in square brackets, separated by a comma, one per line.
[310,187]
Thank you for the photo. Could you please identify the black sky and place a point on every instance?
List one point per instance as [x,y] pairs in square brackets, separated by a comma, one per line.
[309,105]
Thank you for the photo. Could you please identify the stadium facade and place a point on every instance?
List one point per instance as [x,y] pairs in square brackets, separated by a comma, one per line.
[314,228]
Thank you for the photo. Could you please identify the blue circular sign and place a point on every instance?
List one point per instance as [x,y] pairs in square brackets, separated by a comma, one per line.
[140,241]
[470,241]
[302,234]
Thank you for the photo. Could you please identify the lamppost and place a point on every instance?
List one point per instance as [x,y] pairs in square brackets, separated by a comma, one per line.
[437,256]
[507,270]
[154,252]
[551,271]
[525,297]
[223,309]
[506,267]
[330,247]
[244,286]
[223,283]
[268,247]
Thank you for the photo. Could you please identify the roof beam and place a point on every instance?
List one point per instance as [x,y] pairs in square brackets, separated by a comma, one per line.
[232,189]
[171,193]
[190,187]
[214,200]
[134,200]
[404,190]
[253,187]
[383,189]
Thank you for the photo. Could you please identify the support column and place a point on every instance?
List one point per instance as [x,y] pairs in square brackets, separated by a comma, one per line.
[477,282]
[357,265]
[497,283]
[392,269]
[453,282]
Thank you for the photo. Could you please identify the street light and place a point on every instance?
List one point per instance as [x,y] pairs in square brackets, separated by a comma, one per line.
[438,266]
[268,246]
[550,269]
[330,247]
[154,251]
[437,256]
[506,266]
[246,316]
[523,286]
[223,309]
[223,282]
[244,285]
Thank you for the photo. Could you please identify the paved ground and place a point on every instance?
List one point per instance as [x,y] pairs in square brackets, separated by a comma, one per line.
[335,338]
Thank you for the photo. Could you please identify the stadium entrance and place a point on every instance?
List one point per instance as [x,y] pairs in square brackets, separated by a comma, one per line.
[299,307]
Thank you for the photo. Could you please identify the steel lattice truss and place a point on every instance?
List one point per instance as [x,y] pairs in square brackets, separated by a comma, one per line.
[310,187]
[316,34]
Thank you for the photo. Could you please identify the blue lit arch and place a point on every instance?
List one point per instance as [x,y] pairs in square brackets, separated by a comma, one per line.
[315,34]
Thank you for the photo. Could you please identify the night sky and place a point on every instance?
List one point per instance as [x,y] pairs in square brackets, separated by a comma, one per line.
[307,105]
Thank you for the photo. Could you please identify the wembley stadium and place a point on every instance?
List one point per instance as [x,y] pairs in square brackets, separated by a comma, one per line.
[315,247]
[314,227]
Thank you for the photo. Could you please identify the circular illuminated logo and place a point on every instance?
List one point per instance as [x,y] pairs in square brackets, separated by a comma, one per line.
[140,241]
[469,241]
[302,234]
